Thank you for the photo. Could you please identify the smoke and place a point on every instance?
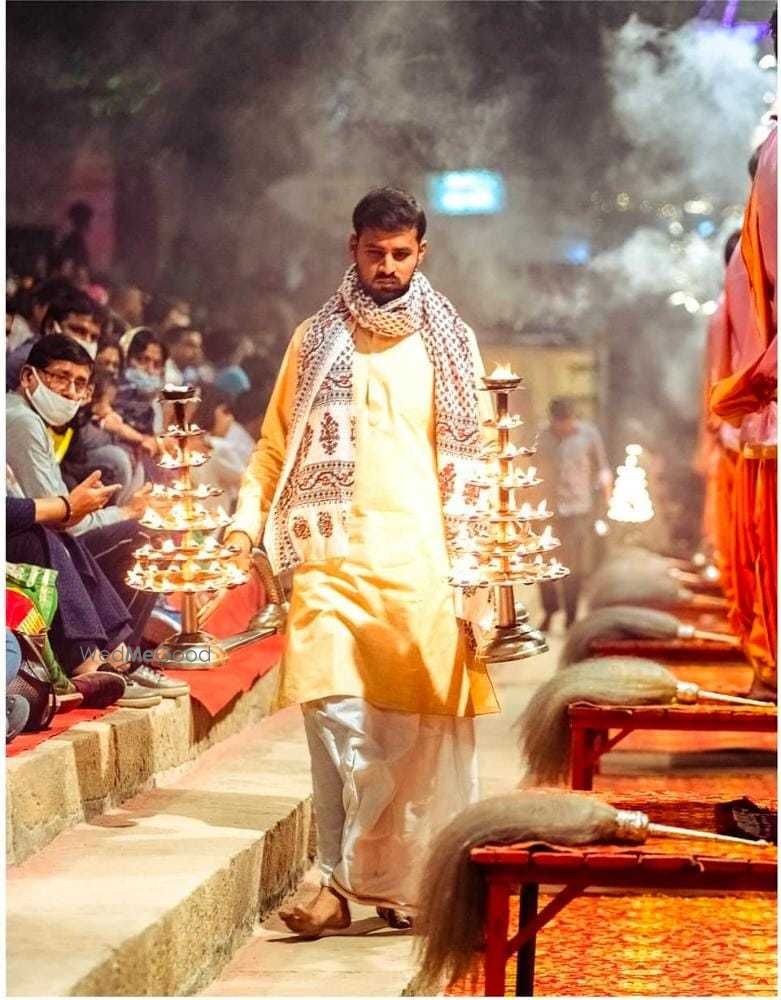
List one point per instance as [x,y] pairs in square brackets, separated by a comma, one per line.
[688,101]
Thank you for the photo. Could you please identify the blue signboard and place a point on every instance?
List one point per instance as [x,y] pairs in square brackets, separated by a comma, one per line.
[466,192]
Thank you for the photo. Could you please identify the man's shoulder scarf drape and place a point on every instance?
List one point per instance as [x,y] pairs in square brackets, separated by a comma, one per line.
[308,516]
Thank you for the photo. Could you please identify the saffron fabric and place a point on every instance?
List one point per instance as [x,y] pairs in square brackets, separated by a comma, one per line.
[378,623]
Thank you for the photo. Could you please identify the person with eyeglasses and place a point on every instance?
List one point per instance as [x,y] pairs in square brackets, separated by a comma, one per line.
[55,383]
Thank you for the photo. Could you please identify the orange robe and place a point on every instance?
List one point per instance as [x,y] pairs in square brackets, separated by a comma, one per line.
[747,399]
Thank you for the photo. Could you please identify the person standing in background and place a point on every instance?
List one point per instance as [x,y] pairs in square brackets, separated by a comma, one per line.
[573,460]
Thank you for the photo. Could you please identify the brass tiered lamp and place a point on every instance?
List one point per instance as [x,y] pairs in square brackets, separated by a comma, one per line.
[188,560]
[498,546]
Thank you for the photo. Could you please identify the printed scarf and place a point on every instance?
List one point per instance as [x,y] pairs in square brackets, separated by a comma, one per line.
[308,516]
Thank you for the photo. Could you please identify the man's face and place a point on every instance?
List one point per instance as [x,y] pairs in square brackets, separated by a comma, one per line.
[563,426]
[188,350]
[63,377]
[386,262]
[81,326]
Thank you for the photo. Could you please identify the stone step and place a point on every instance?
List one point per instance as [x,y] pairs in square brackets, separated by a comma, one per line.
[367,959]
[153,898]
[95,765]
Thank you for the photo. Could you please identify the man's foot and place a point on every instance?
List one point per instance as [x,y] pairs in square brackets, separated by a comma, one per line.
[762,691]
[393,918]
[327,911]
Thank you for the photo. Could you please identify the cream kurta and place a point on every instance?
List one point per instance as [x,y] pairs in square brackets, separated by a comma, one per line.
[378,623]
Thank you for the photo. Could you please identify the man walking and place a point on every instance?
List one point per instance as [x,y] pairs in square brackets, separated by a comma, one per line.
[573,460]
[372,429]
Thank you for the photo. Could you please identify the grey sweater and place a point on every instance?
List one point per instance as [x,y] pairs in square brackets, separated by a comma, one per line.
[30,454]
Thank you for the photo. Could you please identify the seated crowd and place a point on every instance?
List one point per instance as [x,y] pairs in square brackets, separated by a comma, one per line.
[84,366]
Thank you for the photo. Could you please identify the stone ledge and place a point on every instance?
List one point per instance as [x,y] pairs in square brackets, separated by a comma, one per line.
[96,765]
[152,899]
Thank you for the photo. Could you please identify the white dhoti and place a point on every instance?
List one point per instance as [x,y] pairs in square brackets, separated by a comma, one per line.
[384,783]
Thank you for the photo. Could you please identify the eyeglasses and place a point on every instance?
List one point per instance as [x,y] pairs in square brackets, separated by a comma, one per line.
[61,383]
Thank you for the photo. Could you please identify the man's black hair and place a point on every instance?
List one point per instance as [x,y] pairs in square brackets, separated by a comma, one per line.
[729,246]
[561,409]
[57,347]
[390,210]
[51,290]
[222,343]
[69,302]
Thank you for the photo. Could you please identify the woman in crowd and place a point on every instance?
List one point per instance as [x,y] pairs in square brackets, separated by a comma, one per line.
[142,379]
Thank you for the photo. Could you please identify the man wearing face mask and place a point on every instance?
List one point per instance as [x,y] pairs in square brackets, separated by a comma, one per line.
[71,312]
[54,383]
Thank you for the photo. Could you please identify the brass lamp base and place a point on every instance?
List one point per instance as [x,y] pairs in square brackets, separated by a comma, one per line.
[513,642]
[190,651]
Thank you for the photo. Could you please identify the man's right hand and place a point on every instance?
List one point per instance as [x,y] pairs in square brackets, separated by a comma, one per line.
[240,541]
[90,495]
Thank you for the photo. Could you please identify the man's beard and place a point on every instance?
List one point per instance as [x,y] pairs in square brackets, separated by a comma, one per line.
[383,294]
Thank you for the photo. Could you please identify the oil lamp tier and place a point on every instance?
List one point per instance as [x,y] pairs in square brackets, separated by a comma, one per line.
[497,546]
[190,560]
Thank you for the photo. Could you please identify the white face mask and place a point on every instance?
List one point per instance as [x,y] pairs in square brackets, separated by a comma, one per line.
[55,409]
[90,346]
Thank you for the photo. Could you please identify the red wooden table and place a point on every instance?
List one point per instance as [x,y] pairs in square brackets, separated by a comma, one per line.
[662,863]
[591,725]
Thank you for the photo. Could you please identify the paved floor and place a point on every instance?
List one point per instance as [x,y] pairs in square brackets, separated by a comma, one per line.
[371,959]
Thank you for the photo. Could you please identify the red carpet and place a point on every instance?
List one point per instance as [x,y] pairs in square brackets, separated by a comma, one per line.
[61,723]
[214,689]
[652,945]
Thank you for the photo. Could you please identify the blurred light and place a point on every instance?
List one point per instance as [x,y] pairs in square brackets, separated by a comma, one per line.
[768,61]
[669,211]
[712,573]
[601,528]
[697,206]
[706,228]
[768,97]
[466,192]
[577,251]
[691,305]
[677,298]
[675,229]
[623,200]
[709,307]
[699,559]
[646,206]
